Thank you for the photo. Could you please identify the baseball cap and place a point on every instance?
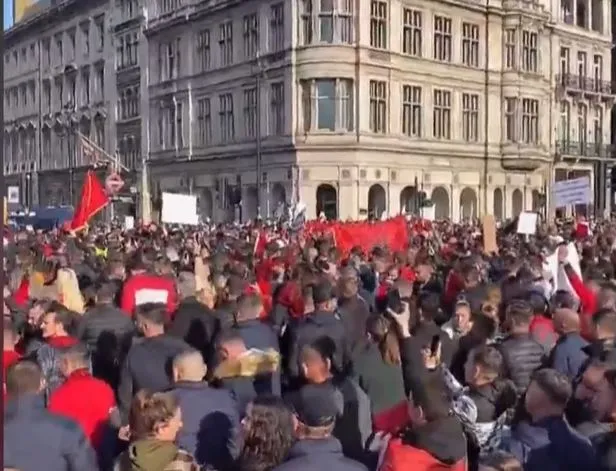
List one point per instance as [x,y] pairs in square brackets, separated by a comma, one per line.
[316,405]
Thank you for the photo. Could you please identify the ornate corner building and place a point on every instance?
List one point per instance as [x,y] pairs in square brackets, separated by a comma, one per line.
[349,106]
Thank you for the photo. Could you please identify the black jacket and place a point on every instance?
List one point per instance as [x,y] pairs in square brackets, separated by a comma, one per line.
[354,313]
[148,365]
[522,356]
[317,325]
[324,454]
[493,399]
[195,324]
[101,319]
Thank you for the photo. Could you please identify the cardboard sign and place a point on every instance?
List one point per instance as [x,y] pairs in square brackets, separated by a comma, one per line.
[489,234]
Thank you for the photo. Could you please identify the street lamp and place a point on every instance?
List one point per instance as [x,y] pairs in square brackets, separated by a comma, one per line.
[258,125]
[68,112]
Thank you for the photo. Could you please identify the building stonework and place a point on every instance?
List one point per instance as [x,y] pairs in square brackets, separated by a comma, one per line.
[357,107]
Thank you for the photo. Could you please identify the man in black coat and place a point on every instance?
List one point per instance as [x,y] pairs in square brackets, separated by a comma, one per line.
[148,363]
[108,333]
[324,322]
[522,354]
[193,322]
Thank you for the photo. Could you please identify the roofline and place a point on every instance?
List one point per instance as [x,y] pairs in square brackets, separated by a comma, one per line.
[31,21]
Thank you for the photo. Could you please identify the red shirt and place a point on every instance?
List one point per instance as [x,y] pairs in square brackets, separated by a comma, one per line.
[87,400]
[148,288]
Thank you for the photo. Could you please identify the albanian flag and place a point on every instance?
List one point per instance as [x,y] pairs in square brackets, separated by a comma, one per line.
[93,199]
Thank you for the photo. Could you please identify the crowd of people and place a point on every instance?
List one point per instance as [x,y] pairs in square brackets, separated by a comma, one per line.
[181,349]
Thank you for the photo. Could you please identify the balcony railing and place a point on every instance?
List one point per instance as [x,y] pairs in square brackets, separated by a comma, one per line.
[585,149]
[585,84]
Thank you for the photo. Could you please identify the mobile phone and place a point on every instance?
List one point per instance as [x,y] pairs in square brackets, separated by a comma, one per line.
[436,340]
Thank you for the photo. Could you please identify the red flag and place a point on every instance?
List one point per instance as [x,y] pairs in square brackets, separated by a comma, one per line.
[93,199]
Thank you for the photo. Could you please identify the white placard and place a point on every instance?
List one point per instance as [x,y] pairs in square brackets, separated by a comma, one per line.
[559,277]
[570,192]
[146,295]
[179,209]
[12,194]
[428,212]
[129,222]
[527,223]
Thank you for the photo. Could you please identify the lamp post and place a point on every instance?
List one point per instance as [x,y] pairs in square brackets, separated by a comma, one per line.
[68,112]
[258,137]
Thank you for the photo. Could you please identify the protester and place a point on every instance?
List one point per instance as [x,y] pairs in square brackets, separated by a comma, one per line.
[147,363]
[210,430]
[390,342]
[154,423]
[531,442]
[35,438]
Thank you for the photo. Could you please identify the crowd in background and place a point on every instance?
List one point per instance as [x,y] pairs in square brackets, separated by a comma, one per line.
[172,349]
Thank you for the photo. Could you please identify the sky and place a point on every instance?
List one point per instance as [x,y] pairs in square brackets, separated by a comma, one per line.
[8,13]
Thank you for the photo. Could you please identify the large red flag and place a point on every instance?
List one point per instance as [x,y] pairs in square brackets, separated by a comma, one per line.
[93,199]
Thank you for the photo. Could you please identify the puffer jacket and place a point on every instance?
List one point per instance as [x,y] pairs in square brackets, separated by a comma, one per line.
[522,355]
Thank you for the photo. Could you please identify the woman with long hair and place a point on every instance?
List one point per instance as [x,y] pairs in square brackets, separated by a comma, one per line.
[268,434]
[154,422]
[379,373]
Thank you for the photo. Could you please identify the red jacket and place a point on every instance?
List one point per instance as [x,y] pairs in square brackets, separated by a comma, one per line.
[22,294]
[401,457]
[87,400]
[148,288]
[588,301]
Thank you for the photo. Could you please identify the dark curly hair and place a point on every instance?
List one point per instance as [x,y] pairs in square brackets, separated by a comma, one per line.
[269,435]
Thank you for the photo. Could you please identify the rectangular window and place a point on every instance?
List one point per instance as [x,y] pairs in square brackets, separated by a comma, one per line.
[307,30]
[71,45]
[204,54]
[226,43]
[250,113]
[470,44]
[411,111]
[169,60]
[100,32]
[378,106]
[511,119]
[565,123]
[85,86]
[227,126]
[441,124]
[204,118]
[412,32]
[46,96]
[276,37]
[470,117]
[328,104]
[597,72]
[378,24]
[277,120]
[598,125]
[120,59]
[530,51]
[46,53]
[581,69]
[530,121]
[251,36]
[59,50]
[442,38]
[85,38]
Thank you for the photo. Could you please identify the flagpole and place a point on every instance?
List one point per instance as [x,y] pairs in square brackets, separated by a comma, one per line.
[114,161]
